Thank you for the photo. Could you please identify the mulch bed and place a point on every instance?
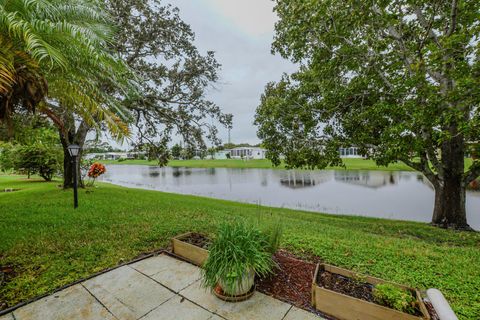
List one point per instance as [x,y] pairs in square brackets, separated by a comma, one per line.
[198,240]
[345,285]
[291,282]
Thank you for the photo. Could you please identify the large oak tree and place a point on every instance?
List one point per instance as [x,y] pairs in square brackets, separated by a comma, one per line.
[399,79]
[174,77]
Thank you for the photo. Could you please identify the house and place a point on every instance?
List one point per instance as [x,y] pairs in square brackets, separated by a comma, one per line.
[350,152]
[220,155]
[114,155]
[247,153]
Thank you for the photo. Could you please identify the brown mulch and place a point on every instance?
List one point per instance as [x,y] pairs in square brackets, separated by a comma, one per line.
[345,285]
[291,282]
[198,240]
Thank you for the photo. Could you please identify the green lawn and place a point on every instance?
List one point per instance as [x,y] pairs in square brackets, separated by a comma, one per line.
[50,244]
[351,164]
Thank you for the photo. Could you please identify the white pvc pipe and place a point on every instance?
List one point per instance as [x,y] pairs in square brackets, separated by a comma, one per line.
[440,304]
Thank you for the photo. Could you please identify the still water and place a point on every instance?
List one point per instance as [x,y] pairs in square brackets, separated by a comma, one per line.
[392,195]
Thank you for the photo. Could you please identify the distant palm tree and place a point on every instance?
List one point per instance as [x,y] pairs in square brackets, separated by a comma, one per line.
[53,57]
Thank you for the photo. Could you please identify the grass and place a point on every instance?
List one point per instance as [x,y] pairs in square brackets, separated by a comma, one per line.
[351,164]
[50,244]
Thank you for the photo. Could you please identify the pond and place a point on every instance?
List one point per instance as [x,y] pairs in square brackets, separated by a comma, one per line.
[392,195]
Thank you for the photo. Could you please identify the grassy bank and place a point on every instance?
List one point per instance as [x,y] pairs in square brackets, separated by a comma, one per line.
[50,244]
[351,164]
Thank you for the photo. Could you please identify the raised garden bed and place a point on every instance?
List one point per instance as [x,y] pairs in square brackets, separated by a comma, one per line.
[335,288]
[192,247]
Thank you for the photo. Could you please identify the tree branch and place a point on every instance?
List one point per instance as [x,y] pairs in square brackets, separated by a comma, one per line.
[453,18]
[473,172]
[427,26]
[423,167]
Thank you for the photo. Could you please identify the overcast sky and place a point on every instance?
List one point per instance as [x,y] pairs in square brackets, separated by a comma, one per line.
[240,32]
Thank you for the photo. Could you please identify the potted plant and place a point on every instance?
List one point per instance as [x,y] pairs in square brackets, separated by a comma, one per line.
[236,254]
[366,297]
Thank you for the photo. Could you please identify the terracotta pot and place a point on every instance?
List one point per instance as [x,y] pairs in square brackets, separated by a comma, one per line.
[243,285]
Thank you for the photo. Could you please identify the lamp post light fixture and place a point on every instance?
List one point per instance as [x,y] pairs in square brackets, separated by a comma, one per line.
[74,151]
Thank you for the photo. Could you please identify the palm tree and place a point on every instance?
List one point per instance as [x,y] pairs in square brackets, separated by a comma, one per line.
[54,58]
[21,81]
[60,43]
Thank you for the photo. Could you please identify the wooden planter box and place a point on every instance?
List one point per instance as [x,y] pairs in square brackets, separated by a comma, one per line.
[194,254]
[344,307]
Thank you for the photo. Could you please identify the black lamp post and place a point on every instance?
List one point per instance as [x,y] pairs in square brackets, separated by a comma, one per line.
[74,151]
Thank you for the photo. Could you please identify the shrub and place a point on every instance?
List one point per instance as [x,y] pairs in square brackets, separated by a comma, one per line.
[37,158]
[236,249]
[95,171]
[7,156]
[394,297]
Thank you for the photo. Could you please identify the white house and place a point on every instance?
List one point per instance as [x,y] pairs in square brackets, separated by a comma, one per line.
[350,152]
[220,155]
[247,153]
[114,155]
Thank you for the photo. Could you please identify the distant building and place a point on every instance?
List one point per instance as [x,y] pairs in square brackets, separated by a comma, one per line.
[220,155]
[351,152]
[247,153]
[114,155]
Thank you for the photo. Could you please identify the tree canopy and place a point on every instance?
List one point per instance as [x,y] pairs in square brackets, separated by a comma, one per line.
[175,77]
[398,79]
[55,49]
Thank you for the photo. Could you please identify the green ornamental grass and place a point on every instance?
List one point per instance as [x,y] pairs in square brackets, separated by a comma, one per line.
[237,249]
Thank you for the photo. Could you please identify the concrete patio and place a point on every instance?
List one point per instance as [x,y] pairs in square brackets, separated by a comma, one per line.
[160,287]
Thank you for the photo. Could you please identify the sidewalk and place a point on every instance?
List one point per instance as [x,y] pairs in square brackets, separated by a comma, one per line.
[160,287]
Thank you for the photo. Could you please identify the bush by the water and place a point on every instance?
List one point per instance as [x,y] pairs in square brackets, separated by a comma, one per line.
[36,158]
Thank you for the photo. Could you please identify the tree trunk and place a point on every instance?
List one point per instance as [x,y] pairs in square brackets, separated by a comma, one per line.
[68,165]
[450,191]
[72,137]
[449,208]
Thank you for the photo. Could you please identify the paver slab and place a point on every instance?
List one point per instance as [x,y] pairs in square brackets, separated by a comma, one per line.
[178,308]
[172,273]
[72,303]
[127,293]
[259,306]
[9,316]
[202,297]
[299,314]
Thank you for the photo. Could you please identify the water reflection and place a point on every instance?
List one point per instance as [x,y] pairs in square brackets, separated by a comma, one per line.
[393,195]
[299,179]
[370,179]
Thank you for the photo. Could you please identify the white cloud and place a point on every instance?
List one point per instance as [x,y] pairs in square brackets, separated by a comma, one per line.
[254,17]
